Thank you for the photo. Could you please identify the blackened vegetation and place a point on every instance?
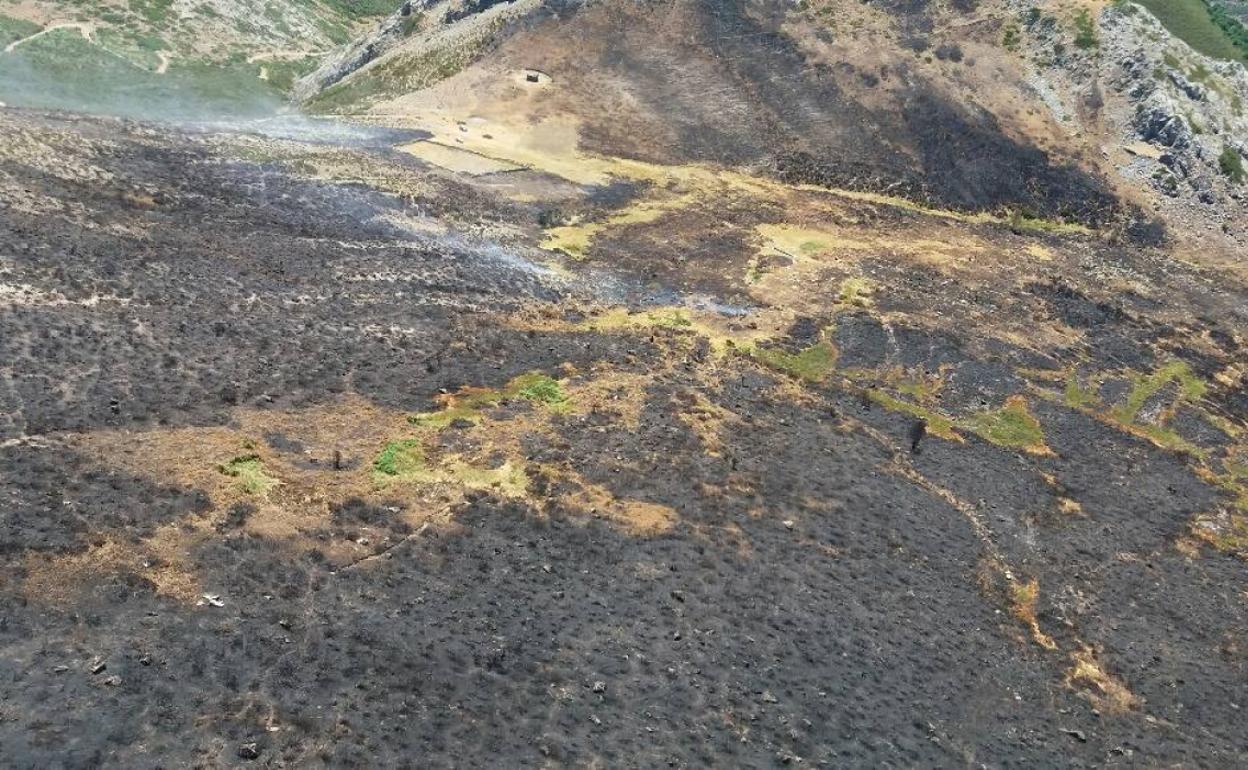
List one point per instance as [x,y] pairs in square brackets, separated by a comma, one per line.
[1074,308]
[809,602]
[52,500]
[868,616]
[760,100]
[236,516]
[917,431]
[969,163]
[254,299]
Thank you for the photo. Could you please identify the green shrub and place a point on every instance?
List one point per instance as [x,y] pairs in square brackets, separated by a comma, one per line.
[540,388]
[1010,38]
[1232,164]
[1232,27]
[412,23]
[1085,30]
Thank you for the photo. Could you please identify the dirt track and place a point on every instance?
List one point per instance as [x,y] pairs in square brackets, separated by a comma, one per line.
[713,559]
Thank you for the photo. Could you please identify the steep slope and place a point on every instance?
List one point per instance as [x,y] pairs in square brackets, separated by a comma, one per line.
[156,57]
[681,383]
[1035,109]
[1170,122]
[323,456]
[750,84]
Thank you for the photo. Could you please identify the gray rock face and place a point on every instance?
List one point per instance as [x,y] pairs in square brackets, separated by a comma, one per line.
[1157,121]
[389,33]
[1192,90]
[1188,106]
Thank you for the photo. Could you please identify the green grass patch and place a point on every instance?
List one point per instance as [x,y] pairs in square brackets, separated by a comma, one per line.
[1169,439]
[937,424]
[813,364]
[1191,388]
[540,388]
[362,9]
[857,292]
[470,402]
[1020,222]
[921,389]
[1192,22]
[1010,38]
[249,470]
[398,75]
[154,11]
[1231,26]
[405,461]
[1233,538]
[12,29]
[412,24]
[400,458]
[283,74]
[1078,397]
[669,319]
[1013,425]
[61,70]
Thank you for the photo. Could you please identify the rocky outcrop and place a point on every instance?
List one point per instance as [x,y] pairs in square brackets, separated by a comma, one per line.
[1192,109]
[451,29]
[1157,121]
[388,34]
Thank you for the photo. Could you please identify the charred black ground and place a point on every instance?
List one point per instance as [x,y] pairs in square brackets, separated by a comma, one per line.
[723,552]
[747,94]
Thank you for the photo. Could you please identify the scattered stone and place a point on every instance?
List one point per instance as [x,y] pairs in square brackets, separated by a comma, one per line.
[97,666]
[768,697]
[112,681]
[248,751]
[1077,735]
[600,687]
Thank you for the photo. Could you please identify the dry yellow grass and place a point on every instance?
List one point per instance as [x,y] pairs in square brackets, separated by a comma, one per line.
[293,505]
[1109,694]
[1023,600]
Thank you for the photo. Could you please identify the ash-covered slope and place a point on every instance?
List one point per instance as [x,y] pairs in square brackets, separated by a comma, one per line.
[754,84]
[321,456]
[667,398]
[1045,110]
